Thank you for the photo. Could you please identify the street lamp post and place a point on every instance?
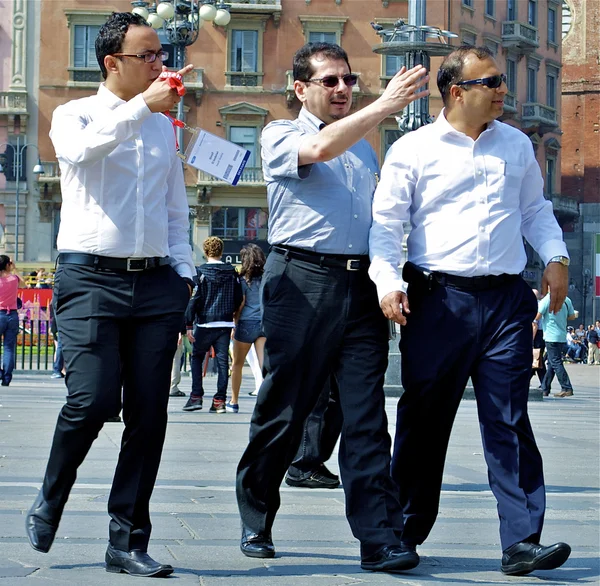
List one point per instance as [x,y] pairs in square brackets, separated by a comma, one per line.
[413,42]
[181,21]
[17,167]
[587,282]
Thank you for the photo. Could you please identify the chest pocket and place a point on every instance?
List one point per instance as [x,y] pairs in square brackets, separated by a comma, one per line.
[512,181]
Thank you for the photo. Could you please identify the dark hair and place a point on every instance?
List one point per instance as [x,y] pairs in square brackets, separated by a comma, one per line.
[303,70]
[451,69]
[4,262]
[111,34]
[253,262]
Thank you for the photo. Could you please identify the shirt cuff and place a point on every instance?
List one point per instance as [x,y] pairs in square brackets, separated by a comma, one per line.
[389,286]
[551,249]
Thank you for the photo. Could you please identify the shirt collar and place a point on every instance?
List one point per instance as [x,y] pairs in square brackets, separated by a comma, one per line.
[444,127]
[311,120]
[108,98]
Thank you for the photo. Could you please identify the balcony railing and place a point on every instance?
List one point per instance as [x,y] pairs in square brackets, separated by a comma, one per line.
[566,208]
[520,35]
[250,176]
[13,103]
[534,114]
[51,172]
[240,79]
[510,103]
[258,7]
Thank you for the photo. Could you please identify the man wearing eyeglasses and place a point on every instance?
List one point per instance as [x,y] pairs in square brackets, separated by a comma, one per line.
[471,188]
[320,309]
[122,284]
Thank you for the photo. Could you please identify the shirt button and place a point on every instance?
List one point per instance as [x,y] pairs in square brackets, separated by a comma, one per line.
[354,189]
[355,216]
[482,200]
[479,173]
[482,228]
[482,258]
[349,245]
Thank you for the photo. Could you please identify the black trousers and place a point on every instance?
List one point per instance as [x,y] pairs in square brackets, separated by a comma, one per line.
[321,431]
[119,333]
[487,336]
[320,321]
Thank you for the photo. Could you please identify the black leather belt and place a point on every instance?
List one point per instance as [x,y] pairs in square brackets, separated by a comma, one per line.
[112,263]
[414,274]
[336,261]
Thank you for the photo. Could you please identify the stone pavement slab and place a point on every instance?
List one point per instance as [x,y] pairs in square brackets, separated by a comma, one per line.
[195,518]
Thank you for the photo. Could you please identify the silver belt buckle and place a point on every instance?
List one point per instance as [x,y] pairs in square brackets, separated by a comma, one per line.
[350,266]
[136,264]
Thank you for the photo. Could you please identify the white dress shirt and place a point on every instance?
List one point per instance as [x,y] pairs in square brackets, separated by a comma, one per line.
[122,183]
[469,204]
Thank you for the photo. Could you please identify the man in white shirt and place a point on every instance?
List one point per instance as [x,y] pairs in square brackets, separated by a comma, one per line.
[122,284]
[471,189]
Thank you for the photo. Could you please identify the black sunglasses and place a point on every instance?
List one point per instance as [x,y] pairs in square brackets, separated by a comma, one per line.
[331,81]
[492,82]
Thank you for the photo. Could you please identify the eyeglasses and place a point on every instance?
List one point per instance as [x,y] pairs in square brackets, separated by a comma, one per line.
[147,57]
[492,82]
[331,81]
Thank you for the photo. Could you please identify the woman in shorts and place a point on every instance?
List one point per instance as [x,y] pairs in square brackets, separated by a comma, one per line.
[248,320]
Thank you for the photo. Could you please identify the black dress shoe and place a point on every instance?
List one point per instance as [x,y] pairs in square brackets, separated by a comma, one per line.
[392,558]
[523,557]
[135,562]
[256,545]
[41,524]
[316,480]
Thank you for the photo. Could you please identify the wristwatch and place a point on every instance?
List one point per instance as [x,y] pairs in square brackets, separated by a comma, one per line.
[563,260]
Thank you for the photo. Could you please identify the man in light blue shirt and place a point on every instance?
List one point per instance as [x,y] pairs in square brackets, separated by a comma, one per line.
[555,336]
[320,311]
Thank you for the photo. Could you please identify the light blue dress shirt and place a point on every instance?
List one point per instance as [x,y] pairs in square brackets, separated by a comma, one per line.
[323,207]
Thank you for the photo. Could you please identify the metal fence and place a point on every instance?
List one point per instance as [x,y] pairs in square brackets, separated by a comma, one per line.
[35,347]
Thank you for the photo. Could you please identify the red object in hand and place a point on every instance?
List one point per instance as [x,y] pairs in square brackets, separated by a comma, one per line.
[175,81]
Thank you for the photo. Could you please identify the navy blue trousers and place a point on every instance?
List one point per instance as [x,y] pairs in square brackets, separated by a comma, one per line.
[485,335]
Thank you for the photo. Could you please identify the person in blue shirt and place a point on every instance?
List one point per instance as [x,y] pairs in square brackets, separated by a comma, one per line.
[555,336]
[320,310]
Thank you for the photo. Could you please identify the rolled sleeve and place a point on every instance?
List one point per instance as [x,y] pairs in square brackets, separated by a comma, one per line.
[280,141]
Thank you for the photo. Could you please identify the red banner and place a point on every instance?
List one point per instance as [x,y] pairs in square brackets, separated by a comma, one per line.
[38,296]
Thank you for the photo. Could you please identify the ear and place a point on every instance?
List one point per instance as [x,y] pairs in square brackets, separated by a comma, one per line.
[300,88]
[110,63]
[456,93]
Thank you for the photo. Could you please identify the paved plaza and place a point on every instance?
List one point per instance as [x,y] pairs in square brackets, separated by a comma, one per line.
[195,518]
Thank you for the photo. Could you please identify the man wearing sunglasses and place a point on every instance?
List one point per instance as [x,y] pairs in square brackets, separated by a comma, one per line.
[320,308]
[121,287]
[471,188]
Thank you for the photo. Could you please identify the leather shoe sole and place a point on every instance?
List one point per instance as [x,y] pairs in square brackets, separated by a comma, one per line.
[135,563]
[391,560]
[548,558]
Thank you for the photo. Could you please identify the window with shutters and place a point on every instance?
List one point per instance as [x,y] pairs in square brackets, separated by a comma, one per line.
[322,37]
[552,74]
[84,25]
[245,54]
[511,75]
[511,10]
[323,29]
[246,137]
[531,83]
[552,26]
[391,64]
[85,65]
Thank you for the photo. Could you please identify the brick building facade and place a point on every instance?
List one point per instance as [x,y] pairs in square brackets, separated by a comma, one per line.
[581,144]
